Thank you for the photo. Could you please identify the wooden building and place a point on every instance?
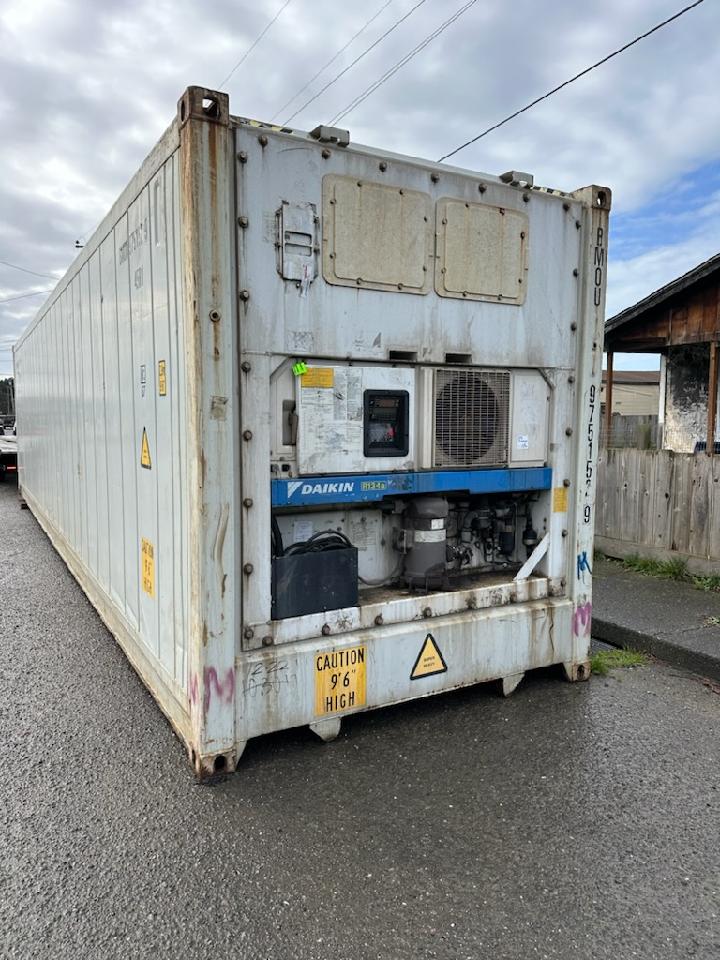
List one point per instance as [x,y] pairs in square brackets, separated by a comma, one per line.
[680,321]
[635,392]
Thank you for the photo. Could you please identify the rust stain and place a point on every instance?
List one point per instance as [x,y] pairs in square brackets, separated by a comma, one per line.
[204,634]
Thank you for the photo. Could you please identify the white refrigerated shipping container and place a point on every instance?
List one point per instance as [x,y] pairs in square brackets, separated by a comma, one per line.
[314,425]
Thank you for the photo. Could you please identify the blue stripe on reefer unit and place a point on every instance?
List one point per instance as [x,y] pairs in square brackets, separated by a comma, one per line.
[366,488]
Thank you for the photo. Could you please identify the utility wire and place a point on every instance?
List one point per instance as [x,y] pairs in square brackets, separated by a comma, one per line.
[577,76]
[401,63]
[35,293]
[332,60]
[252,46]
[356,60]
[48,276]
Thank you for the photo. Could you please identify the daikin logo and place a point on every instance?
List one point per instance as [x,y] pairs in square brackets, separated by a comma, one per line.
[307,489]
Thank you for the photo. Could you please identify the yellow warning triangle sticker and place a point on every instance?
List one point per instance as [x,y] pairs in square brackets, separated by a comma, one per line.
[429,660]
[145,460]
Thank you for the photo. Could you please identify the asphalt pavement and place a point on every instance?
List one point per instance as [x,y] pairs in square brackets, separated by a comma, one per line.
[570,821]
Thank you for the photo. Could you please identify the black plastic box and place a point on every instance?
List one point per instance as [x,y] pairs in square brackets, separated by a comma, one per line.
[314,582]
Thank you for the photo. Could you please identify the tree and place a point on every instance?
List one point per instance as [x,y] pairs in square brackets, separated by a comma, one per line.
[7,397]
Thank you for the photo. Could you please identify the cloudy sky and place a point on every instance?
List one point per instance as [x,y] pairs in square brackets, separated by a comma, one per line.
[87,87]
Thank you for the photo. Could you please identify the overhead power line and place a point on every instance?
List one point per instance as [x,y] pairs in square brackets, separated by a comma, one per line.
[356,60]
[332,60]
[577,76]
[22,296]
[32,273]
[255,42]
[401,63]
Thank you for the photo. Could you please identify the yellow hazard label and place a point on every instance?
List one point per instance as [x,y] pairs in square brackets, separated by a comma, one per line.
[145,460]
[340,680]
[560,499]
[318,377]
[148,567]
[429,661]
[162,379]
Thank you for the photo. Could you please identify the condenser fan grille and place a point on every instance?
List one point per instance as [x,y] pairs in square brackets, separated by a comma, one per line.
[471,417]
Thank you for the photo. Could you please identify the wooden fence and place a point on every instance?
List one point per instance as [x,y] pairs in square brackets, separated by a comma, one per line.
[659,504]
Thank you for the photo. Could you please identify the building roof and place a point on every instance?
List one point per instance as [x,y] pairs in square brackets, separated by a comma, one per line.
[650,377]
[699,272]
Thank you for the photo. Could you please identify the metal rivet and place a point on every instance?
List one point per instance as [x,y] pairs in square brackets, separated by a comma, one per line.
[214,315]
[267,641]
[263,140]
[400,286]
[482,188]
[571,379]
[325,154]
[359,183]
[248,568]
[566,207]
[566,482]
[522,234]
[526,198]
[577,224]
[568,431]
[564,533]
[434,177]
[326,630]
[247,434]
[427,612]
[359,280]
[248,502]
[563,583]
[242,156]
[576,272]
[573,326]
[248,633]
[244,294]
[242,222]
[382,166]
[379,620]
[245,366]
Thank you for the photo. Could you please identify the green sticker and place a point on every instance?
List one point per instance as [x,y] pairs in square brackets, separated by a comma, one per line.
[299,368]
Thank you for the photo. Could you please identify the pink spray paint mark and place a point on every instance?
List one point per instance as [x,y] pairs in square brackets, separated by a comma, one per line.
[224,689]
[582,619]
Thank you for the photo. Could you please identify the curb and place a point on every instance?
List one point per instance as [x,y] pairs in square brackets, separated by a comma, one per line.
[692,660]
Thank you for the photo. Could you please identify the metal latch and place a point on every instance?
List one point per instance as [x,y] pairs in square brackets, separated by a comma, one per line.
[297,245]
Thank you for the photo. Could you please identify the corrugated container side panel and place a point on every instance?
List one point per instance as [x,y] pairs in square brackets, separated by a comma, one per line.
[178,391]
[164,399]
[99,401]
[61,461]
[87,453]
[130,455]
[113,432]
[145,433]
[90,389]
[74,412]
